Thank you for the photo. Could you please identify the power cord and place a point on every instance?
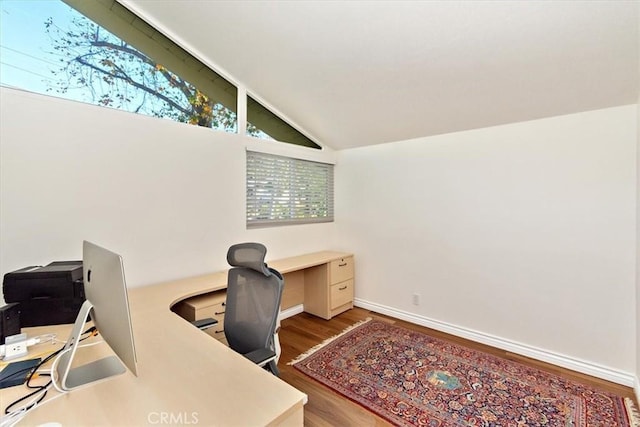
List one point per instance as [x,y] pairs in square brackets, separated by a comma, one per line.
[39,388]
[54,365]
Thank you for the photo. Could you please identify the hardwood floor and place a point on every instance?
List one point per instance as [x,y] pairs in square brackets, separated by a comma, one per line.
[327,408]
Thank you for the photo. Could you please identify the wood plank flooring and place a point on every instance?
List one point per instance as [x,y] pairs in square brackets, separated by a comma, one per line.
[327,408]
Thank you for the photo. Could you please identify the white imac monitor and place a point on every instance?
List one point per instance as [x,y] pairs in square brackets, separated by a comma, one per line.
[108,304]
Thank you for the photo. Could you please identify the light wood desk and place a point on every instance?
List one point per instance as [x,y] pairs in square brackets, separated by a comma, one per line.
[184,376]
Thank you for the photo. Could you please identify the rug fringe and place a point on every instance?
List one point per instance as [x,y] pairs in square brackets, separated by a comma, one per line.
[328,340]
[632,411]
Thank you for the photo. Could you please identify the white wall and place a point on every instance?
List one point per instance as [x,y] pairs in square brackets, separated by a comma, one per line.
[169,197]
[637,336]
[637,379]
[524,233]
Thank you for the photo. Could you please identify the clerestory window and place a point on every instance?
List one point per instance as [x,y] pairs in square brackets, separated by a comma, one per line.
[262,123]
[101,53]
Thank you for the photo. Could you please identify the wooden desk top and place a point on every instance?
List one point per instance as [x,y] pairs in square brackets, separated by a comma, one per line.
[184,375]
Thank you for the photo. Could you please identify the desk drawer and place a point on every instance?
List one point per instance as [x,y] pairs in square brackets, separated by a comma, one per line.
[216,311]
[203,306]
[341,293]
[217,332]
[341,270]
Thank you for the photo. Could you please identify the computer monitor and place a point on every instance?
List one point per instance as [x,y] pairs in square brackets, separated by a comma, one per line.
[108,305]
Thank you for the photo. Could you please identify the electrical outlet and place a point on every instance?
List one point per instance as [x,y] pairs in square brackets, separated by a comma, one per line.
[15,346]
[416,299]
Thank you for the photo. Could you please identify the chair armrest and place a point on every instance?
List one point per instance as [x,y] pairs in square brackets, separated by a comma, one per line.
[260,356]
[203,324]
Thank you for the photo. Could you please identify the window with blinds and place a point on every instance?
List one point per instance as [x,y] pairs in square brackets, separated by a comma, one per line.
[283,190]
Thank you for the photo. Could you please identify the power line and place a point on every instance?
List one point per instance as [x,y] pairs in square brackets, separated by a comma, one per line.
[25,70]
[28,55]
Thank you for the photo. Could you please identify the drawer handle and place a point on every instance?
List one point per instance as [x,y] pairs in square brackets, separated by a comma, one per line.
[342,288]
[218,332]
[342,265]
[218,313]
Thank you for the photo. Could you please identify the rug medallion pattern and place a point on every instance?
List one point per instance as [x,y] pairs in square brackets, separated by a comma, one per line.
[410,378]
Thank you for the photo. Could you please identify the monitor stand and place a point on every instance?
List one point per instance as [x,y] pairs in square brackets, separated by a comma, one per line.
[71,378]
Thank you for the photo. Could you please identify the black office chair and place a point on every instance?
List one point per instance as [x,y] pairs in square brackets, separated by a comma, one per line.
[254,292]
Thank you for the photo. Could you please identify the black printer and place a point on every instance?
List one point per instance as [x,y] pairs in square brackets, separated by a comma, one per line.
[48,295]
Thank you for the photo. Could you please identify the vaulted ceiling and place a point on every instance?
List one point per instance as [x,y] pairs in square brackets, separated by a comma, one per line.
[355,73]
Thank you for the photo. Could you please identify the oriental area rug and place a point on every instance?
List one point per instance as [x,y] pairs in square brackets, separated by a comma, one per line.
[412,379]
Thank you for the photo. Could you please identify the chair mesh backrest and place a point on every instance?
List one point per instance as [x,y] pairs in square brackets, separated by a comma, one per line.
[254,292]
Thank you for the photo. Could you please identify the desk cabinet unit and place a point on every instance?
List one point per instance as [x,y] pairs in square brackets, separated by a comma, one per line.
[328,288]
[203,306]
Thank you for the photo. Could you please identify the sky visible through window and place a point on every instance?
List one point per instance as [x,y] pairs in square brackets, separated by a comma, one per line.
[50,48]
[26,57]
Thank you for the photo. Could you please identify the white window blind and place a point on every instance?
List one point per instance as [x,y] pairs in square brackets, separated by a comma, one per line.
[283,190]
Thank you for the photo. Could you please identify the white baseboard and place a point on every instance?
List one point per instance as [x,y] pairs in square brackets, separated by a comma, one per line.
[636,389]
[589,368]
[291,311]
